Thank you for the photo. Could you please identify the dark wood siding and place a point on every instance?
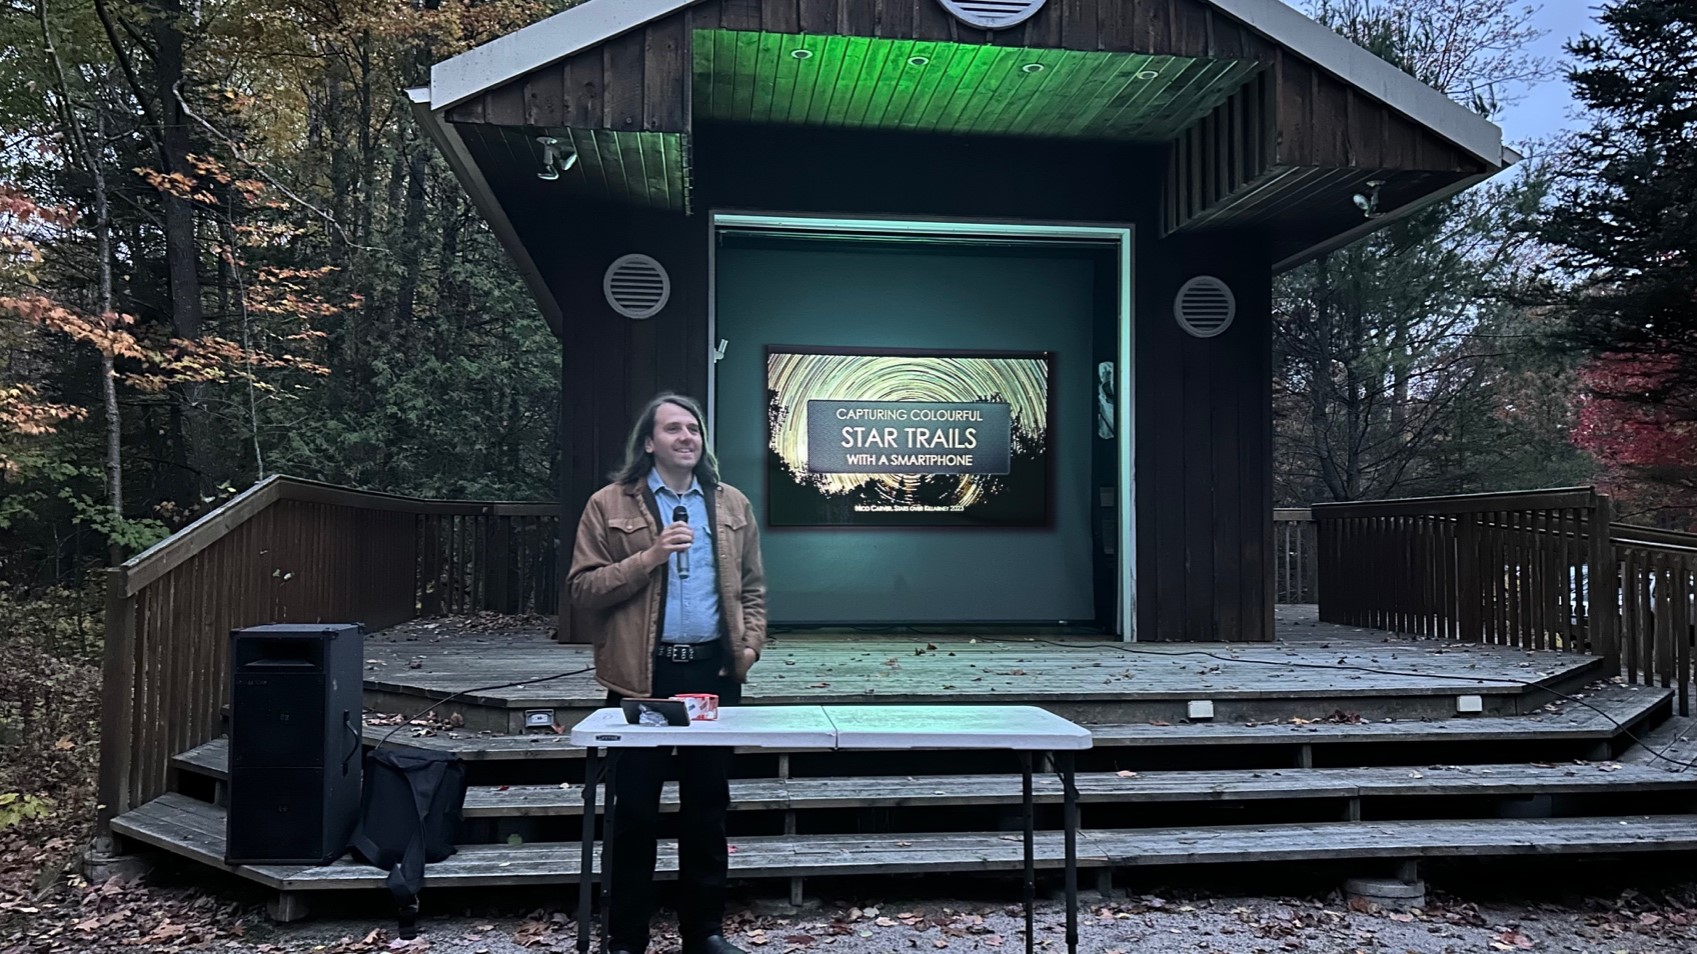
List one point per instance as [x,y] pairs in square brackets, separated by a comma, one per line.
[1204,446]
[642,80]
[1220,161]
[611,365]
[755,167]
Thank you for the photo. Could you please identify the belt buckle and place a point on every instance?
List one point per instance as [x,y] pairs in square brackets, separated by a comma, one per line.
[678,652]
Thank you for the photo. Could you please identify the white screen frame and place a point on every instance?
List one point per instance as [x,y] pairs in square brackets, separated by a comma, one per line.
[1121,236]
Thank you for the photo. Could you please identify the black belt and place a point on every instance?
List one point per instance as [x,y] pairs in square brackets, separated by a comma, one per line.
[686,652]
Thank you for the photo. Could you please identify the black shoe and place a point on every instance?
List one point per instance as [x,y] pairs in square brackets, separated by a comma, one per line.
[713,944]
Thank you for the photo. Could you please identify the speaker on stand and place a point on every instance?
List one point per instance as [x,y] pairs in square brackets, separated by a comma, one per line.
[295,721]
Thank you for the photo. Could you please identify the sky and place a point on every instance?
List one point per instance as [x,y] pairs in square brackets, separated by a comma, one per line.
[1543,109]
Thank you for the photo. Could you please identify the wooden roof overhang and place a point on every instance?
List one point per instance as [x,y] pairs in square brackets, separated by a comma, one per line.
[1269,120]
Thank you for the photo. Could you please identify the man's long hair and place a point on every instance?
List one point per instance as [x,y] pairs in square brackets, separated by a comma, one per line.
[638,461]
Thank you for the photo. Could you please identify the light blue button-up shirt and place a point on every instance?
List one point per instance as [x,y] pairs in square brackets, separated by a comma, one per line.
[692,604]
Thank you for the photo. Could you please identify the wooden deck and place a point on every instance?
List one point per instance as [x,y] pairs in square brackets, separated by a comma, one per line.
[1311,670]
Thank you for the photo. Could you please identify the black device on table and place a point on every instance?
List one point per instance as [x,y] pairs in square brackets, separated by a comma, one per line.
[672,710]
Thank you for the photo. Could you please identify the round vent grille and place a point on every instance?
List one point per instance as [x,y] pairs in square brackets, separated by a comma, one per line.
[1205,306]
[636,286]
[992,14]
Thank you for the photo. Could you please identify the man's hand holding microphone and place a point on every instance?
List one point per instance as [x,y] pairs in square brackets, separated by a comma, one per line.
[676,537]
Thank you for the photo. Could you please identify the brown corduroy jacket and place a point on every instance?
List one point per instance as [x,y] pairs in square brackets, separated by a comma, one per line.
[619,601]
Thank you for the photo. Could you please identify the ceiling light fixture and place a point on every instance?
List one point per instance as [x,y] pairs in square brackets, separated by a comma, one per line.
[1148,74]
[1032,68]
[918,60]
[801,54]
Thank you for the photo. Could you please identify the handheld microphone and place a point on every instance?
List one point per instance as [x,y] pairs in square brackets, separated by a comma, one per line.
[680,515]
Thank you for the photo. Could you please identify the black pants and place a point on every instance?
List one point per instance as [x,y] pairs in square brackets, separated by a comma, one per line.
[703,776]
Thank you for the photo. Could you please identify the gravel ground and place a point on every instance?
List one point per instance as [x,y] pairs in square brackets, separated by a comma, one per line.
[1138,925]
[1642,905]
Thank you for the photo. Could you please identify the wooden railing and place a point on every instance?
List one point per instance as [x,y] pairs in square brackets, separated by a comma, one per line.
[1658,606]
[289,550]
[1532,569]
[1536,570]
[1295,557]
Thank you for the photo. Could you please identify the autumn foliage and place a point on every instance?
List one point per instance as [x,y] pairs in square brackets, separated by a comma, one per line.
[1640,423]
[150,360]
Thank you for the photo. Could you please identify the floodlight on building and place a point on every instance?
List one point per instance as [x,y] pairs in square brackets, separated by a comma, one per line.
[555,159]
[1368,202]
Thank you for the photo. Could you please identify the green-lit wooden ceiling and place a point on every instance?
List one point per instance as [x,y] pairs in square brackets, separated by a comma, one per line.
[869,83]
[858,82]
[642,169]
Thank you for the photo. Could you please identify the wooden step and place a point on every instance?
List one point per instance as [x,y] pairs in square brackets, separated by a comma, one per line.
[1623,709]
[195,830]
[804,794]
[934,791]
[1332,841]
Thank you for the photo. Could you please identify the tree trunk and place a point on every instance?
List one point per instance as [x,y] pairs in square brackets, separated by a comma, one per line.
[1320,385]
[412,238]
[182,250]
[232,260]
[451,294]
[92,159]
[367,161]
[115,552]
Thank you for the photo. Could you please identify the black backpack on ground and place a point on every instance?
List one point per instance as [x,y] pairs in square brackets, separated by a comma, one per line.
[409,813]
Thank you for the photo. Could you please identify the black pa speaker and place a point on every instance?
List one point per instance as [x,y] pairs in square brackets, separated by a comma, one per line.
[295,705]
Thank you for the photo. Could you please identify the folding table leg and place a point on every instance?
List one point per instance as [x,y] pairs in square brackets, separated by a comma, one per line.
[586,861]
[1030,858]
[609,821]
[1070,797]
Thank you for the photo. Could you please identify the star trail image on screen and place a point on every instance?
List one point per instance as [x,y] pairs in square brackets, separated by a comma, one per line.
[882,439]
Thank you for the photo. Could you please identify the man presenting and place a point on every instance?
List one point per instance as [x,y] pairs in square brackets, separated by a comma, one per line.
[666,575]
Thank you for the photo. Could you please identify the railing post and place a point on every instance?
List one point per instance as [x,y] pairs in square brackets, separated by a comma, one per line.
[1322,566]
[1603,585]
[1468,593]
[429,566]
[498,564]
[117,698]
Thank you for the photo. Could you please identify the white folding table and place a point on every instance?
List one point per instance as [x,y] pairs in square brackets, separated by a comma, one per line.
[1023,729]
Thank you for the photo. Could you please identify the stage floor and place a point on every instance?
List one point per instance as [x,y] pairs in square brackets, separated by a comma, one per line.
[1311,668]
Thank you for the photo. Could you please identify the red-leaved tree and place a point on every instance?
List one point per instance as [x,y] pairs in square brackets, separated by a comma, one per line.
[1640,422]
